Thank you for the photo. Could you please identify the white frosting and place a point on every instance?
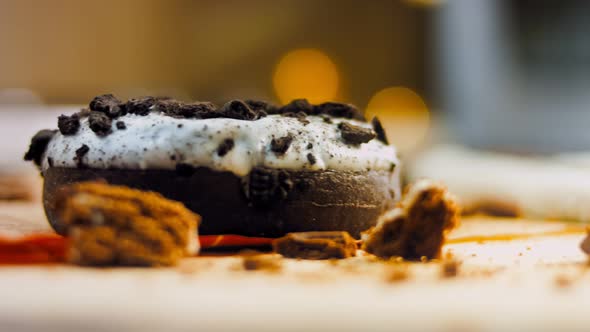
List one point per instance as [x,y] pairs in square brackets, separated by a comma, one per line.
[157,141]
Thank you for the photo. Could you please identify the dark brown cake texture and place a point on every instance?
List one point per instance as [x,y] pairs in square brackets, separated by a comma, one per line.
[267,201]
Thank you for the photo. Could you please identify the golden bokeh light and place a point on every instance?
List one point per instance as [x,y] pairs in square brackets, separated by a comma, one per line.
[306,73]
[404,116]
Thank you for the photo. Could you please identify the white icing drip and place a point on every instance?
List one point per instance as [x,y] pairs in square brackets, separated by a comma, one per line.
[157,141]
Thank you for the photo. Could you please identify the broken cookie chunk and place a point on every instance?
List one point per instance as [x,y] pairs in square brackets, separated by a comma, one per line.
[38,145]
[417,227]
[316,245]
[280,145]
[355,135]
[115,225]
[68,125]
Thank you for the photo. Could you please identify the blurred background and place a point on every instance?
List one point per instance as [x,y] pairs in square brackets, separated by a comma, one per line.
[501,75]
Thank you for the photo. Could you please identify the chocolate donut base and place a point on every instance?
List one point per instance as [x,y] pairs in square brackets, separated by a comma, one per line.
[317,201]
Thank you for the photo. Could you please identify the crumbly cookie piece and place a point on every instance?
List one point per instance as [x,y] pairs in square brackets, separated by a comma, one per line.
[117,225]
[417,227]
[316,245]
[585,245]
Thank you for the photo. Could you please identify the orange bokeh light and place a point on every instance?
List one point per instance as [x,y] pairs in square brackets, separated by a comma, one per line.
[404,116]
[306,73]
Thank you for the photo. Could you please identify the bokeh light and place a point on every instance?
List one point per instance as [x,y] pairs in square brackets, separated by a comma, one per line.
[306,73]
[404,116]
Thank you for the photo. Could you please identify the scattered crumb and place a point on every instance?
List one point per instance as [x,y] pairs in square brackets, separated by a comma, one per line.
[253,261]
[563,281]
[397,273]
[450,268]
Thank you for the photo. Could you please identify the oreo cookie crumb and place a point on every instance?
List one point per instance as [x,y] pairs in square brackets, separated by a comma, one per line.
[280,145]
[311,158]
[391,167]
[355,135]
[68,125]
[265,186]
[196,110]
[100,123]
[107,104]
[298,105]
[339,110]
[83,113]
[237,109]
[378,128]
[225,147]
[80,153]
[38,145]
[183,169]
[121,125]
[140,106]
[327,119]
[262,106]
[309,146]
[301,116]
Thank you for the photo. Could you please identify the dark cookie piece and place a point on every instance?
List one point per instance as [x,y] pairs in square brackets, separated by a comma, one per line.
[298,105]
[339,110]
[262,106]
[140,106]
[80,153]
[237,109]
[281,145]
[107,104]
[100,123]
[121,125]
[355,135]
[301,116]
[68,125]
[309,146]
[196,110]
[183,169]
[316,245]
[311,158]
[38,145]
[378,128]
[264,186]
[225,147]
[83,113]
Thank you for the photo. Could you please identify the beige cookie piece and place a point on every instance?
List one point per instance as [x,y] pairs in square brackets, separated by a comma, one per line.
[116,225]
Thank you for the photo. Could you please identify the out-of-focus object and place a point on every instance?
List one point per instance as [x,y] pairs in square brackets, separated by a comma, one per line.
[116,225]
[306,73]
[510,185]
[404,116]
[514,75]
[15,186]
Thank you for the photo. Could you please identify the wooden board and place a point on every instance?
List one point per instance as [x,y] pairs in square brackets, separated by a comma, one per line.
[514,275]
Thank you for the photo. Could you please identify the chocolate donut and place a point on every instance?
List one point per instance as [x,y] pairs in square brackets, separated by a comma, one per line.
[247,167]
